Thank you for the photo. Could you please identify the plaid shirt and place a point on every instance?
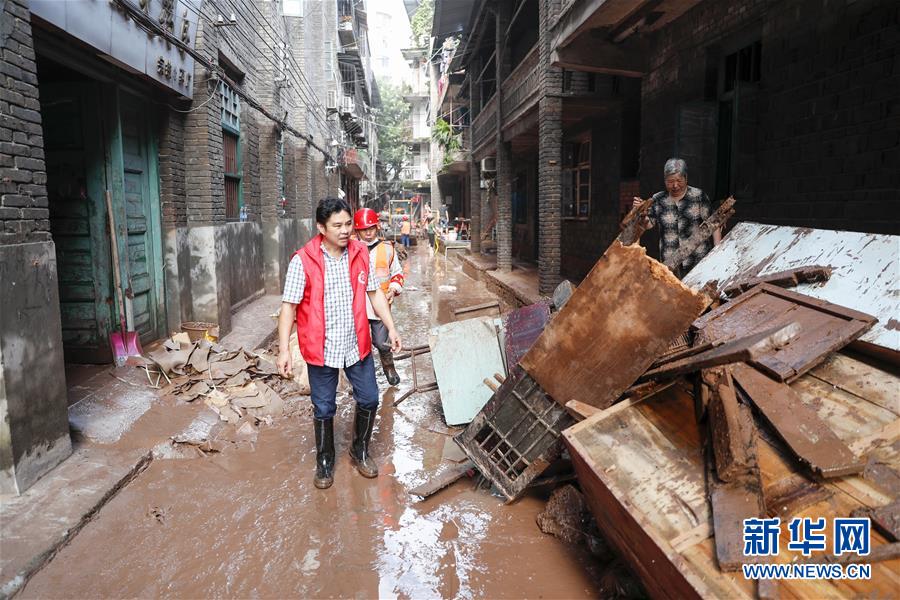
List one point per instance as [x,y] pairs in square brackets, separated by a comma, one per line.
[677,222]
[341,346]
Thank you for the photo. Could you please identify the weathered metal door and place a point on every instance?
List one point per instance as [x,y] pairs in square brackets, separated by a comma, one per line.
[140,195]
[75,184]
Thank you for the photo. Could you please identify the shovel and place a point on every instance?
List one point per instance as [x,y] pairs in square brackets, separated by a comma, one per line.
[124,343]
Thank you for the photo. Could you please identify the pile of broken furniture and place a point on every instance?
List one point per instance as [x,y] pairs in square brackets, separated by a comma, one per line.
[687,407]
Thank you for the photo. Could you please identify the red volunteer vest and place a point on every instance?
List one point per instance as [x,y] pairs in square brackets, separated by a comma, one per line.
[311,310]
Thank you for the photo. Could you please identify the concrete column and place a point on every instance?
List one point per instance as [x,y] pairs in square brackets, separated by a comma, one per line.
[475,206]
[549,157]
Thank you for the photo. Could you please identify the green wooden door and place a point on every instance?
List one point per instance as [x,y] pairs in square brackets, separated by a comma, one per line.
[75,185]
[140,199]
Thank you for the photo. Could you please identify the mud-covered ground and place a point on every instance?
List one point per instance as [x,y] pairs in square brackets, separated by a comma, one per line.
[248,522]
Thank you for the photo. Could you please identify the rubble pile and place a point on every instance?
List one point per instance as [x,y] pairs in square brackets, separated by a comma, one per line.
[687,407]
[242,389]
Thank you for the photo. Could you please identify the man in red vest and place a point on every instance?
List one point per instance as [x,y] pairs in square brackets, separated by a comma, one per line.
[325,291]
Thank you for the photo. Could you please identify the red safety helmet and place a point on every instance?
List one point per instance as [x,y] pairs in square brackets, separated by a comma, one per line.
[406,217]
[365,218]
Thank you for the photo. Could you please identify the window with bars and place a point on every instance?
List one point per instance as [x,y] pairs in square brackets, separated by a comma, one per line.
[577,180]
[233,199]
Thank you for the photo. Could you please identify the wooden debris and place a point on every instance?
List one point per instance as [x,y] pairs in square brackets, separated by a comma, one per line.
[732,502]
[476,308]
[886,519]
[808,437]
[787,278]
[787,497]
[515,437]
[443,479]
[635,223]
[715,221]
[751,348]
[591,352]
[731,429]
[824,327]
[580,410]
[523,326]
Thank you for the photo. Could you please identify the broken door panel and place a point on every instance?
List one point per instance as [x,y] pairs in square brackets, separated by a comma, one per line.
[464,354]
[864,268]
[523,327]
[620,319]
[823,327]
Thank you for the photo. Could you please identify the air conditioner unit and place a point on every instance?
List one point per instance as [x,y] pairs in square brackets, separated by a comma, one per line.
[331,102]
[347,105]
[489,164]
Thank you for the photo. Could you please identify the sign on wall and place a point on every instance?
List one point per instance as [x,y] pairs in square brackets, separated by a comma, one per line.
[106,26]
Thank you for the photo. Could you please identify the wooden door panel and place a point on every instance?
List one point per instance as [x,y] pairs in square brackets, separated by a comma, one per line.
[74,189]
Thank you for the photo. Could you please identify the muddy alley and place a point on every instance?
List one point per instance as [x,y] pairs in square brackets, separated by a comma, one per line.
[249,523]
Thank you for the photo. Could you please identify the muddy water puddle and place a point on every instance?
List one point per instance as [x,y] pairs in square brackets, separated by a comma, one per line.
[249,523]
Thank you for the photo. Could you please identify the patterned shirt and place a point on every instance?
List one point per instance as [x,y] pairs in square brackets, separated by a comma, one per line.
[677,222]
[341,344]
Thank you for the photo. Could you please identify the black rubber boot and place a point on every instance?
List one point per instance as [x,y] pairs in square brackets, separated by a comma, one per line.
[324,453]
[387,364]
[359,450]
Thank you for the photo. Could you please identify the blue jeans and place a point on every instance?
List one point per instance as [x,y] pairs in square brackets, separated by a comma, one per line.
[404,238]
[323,383]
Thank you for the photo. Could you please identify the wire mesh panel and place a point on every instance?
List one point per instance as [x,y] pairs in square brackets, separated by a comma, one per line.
[516,435]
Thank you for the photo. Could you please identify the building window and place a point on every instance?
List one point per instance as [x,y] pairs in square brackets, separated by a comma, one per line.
[292,8]
[233,200]
[577,180]
[231,107]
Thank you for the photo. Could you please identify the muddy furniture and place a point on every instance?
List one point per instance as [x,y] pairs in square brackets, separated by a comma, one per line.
[642,470]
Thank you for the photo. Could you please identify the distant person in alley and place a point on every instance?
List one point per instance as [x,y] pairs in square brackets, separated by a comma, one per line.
[405,230]
[678,212]
[325,293]
[383,260]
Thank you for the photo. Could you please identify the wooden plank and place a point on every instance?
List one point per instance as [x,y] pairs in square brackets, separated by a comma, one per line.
[580,410]
[860,379]
[635,223]
[787,278]
[523,327]
[824,327]
[885,518]
[731,429]
[811,440]
[733,502]
[617,322]
[750,348]
[714,222]
[443,479]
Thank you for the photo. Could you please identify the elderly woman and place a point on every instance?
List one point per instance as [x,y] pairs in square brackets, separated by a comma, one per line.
[678,212]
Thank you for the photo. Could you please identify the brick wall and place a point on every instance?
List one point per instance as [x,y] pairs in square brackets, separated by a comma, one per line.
[170,133]
[24,213]
[827,133]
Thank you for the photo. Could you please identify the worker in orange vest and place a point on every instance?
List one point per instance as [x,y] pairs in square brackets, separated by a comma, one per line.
[384,262]
[405,230]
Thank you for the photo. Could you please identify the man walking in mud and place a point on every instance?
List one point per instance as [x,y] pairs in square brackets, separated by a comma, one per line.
[325,293]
